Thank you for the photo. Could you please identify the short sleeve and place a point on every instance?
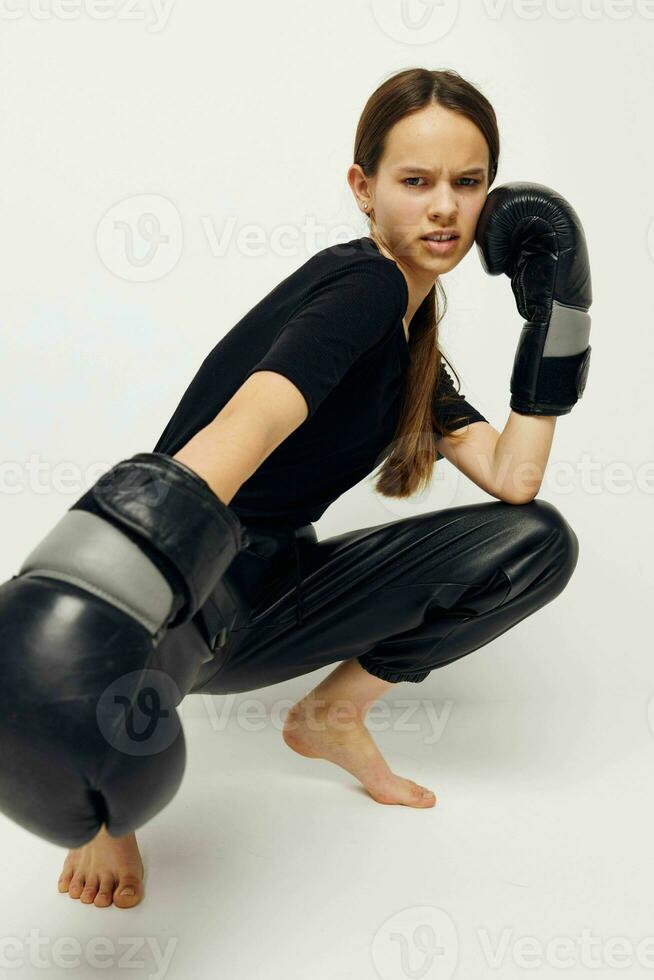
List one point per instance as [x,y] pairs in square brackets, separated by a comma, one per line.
[455,406]
[345,315]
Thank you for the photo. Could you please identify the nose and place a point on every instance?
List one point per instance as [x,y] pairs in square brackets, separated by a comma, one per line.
[443,204]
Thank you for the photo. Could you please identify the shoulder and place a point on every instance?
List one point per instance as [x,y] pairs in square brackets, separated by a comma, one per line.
[359,268]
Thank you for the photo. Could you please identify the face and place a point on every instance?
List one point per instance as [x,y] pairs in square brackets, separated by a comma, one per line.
[433,176]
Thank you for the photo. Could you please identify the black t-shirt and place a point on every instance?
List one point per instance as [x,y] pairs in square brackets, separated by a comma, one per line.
[334,328]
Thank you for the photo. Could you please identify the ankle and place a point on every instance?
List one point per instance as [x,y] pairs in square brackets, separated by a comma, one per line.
[326,715]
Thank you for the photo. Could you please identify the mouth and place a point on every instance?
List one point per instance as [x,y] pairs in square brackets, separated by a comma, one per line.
[441,247]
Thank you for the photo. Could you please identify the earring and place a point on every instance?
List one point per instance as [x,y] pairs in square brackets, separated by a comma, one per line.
[365,205]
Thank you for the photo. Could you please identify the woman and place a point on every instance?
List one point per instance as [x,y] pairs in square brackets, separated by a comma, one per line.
[334,371]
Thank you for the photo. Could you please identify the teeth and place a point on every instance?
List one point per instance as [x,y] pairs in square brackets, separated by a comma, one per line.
[440,238]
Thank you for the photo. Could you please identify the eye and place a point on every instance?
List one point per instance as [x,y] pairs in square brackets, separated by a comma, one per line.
[472,181]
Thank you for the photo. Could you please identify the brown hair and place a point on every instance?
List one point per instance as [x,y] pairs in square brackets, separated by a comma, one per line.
[409,465]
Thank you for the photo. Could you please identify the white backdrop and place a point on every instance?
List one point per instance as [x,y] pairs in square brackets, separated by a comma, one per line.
[234,126]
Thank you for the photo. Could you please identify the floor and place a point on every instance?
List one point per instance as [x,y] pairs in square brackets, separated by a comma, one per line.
[536,861]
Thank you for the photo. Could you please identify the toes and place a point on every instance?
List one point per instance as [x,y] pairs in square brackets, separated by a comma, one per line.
[106,890]
[64,880]
[76,885]
[90,888]
[128,891]
[425,795]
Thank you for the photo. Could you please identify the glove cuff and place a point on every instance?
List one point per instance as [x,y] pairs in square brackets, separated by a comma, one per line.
[171,508]
[551,386]
[167,516]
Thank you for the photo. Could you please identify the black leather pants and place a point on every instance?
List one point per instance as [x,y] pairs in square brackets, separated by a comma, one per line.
[403,597]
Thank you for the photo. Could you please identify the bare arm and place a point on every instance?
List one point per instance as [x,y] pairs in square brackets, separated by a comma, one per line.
[522,452]
[509,465]
[258,417]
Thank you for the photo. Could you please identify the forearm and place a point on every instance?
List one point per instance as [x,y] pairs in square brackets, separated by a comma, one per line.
[521,454]
[226,453]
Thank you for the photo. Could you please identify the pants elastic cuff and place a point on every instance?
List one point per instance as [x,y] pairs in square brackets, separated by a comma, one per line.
[393,676]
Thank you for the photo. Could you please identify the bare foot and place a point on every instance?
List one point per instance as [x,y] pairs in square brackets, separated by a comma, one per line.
[313,729]
[104,870]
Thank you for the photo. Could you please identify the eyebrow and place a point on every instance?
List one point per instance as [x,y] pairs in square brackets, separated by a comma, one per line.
[426,170]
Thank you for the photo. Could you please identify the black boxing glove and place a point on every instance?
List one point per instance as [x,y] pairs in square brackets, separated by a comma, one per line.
[534,236]
[79,628]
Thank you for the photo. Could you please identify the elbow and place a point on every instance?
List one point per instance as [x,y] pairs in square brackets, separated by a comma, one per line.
[512,492]
[515,498]
[517,487]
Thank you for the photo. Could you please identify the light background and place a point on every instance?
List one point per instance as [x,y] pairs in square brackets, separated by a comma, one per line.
[243,116]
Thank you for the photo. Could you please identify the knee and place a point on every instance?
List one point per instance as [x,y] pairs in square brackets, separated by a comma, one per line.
[550,523]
